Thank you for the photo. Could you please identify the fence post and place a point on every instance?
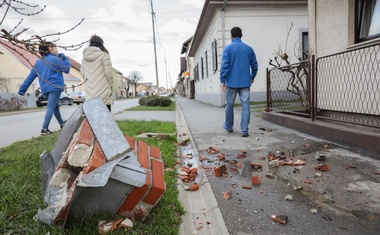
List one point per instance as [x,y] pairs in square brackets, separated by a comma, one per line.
[313,89]
[269,103]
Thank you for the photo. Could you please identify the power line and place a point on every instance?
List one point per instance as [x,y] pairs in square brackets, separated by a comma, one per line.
[174,12]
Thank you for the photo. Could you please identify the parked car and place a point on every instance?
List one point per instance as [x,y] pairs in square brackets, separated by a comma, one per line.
[78,96]
[164,94]
[63,100]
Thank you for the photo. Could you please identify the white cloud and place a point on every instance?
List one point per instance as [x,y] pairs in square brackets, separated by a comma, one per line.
[197,3]
[126,28]
[53,11]
[177,26]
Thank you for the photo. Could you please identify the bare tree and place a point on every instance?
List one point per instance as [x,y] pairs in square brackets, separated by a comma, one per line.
[16,35]
[297,84]
[135,77]
[4,85]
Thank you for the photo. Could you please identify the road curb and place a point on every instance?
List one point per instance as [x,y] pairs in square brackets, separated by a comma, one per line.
[203,215]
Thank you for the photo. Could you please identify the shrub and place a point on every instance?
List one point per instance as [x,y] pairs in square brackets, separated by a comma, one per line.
[14,103]
[155,101]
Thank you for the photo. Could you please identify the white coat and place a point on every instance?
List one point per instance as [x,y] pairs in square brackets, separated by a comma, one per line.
[96,70]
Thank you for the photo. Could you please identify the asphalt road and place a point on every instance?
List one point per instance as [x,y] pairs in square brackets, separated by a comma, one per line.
[23,125]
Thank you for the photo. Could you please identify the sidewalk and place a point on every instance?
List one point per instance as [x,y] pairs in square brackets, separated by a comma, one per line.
[350,186]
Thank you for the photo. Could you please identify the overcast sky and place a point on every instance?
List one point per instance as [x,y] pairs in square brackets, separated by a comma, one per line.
[126,28]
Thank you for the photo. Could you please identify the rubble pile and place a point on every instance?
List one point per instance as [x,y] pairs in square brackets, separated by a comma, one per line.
[93,169]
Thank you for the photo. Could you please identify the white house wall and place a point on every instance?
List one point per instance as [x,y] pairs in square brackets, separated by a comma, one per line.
[353,86]
[333,22]
[14,71]
[265,29]
[207,89]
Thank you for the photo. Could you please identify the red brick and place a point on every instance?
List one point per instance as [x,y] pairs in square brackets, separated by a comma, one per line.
[220,170]
[255,165]
[194,187]
[85,133]
[256,180]
[282,219]
[158,187]
[194,170]
[143,154]
[185,169]
[135,196]
[155,152]
[131,142]
[97,159]
[322,167]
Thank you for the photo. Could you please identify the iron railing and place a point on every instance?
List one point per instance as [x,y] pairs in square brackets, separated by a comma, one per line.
[344,87]
[348,86]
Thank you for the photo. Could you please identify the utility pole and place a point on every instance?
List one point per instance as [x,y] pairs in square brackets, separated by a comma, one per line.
[166,74]
[155,52]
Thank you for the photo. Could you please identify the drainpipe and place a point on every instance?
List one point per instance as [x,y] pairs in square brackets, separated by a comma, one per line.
[223,24]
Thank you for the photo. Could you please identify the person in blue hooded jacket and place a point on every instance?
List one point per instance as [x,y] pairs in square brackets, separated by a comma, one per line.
[49,70]
[237,73]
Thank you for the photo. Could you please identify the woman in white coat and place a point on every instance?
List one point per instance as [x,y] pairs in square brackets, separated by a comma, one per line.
[96,70]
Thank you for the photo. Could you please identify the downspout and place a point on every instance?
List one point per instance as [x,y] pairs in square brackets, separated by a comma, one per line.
[223,24]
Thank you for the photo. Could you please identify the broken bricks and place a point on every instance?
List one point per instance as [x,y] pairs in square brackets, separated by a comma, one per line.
[227,195]
[106,227]
[255,180]
[212,150]
[256,166]
[322,167]
[220,170]
[88,172]
[187,174]
[297,162]
[282,219]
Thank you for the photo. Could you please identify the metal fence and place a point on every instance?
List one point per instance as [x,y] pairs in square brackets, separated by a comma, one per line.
[348,86]
[288,88]
[344,88]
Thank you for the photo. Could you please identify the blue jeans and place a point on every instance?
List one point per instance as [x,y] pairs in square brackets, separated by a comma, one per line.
[244,95]
[52,108]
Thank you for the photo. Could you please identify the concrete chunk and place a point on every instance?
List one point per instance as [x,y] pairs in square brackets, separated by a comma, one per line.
[110,137]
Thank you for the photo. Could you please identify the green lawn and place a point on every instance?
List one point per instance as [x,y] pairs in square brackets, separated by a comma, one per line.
[21,196]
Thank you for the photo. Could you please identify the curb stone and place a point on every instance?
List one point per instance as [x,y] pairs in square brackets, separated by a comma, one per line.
[202,215]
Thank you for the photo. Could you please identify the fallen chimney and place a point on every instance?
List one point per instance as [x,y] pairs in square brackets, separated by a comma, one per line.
[93,169]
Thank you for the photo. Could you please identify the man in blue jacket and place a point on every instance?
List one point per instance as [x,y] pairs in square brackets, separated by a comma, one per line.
[49,70]
[237,74]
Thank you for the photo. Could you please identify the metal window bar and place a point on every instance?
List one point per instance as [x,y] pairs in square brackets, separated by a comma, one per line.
[348,86]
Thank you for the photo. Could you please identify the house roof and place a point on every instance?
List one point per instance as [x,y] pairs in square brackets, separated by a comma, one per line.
[75,64]
[27,58]
[211,5]
[143,85]
[185,45]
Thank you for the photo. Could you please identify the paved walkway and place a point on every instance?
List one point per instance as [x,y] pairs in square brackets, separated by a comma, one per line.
[351,185]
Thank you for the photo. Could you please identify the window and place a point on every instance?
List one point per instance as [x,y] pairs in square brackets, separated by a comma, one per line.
[367,19]
[214,55]
[305,46]
[206,63]
[196,73]
[202,69]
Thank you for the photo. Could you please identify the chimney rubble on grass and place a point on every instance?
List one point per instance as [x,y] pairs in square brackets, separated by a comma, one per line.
[93,168]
